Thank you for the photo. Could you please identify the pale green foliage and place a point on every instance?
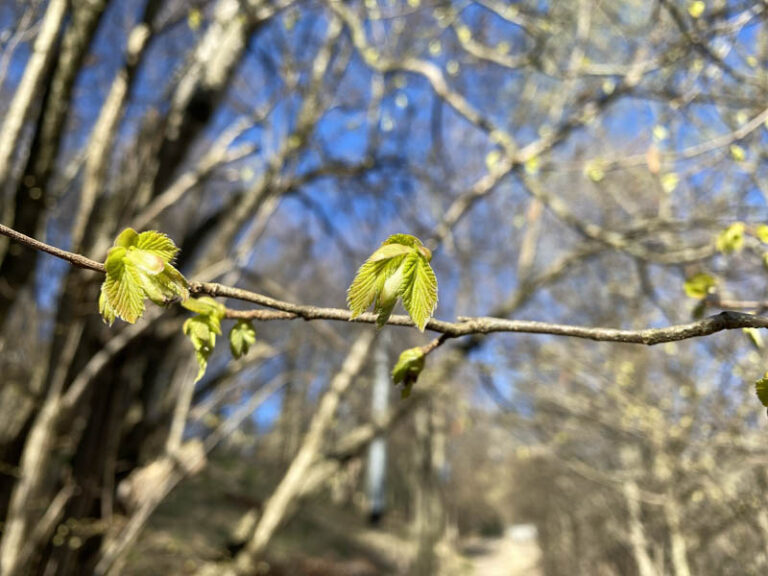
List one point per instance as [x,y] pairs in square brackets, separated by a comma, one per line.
[697,8]
[738,153]
[419,289]
[398,269]
[241,338]
[203,328]
[699,286]
[595,171]
[762,233]
[139,267]
[754,337]
[408,368]
[669,182]
[731,239]
[761,387]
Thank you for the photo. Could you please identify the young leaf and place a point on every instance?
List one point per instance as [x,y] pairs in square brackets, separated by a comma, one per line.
[121,291]
[202,330]
[403,239]
[389,292]
[754,337]
[367,285]
[731,239]
[697,8]
[390,273]
[241,338]
[699,286]
[420,290]
[762,233]
[761,387]
[138,266]
[407,370]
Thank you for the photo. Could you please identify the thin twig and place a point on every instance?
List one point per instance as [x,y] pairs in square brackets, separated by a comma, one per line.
[728,320]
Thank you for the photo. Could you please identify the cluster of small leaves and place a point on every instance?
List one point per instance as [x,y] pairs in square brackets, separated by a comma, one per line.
[138,266]
[408,368]
[399,269]
[241,338]
[731,239]
[203,328]
[699,285]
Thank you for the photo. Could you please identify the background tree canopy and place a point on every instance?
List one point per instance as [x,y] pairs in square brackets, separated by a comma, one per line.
[576,170]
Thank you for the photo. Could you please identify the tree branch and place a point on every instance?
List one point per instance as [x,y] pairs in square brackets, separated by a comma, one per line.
[465,326]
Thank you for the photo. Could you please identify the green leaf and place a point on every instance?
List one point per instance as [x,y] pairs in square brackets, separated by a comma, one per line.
[121,293]
[762,233]
[202,355]
[699,286]
[202,331]
[697,8]
[595,171]
[194,19]
[158,244]
[419,289]
[731,239]
[367,284]
[390,291]
[761,387]
[738,153]
[381,280]
[669,182]
[126,238]
[241,338]
[138,267]
[388,251]
[754,336]
[403,239]
[408,368]
[203,328]
[106,311]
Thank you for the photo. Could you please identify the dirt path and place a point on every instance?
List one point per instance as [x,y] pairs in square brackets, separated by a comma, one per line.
[502,557]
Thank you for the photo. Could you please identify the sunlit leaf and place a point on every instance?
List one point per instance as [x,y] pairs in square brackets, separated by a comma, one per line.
[194,19]
[738,153]
[464,34]
[532,165]
[761,387]
[731,239]
[669,182]
[138,267]
[391,272]
[492,159]
[419,289]
[595,171]
[241,338]
[755,337]
[699,286]
[202,329]
[660,133]
[408,368]
[697,8]
[762,233]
